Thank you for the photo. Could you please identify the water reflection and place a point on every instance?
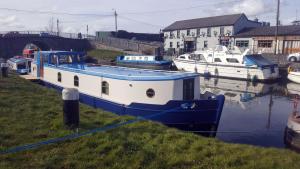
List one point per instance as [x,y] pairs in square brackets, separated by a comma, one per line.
[292,132]
[254,114]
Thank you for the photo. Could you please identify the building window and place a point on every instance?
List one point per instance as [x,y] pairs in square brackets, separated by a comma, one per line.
[150,93]
[208,32]
[178,44]
[171,35]
[198,32]
[242,43]
[59,77]
[222,30]
[218,60]
[76,81]
[232,60]
[178,34]
[225,42]
[188,32]
[265,43]
[171,44]
[205,44]
[105,88]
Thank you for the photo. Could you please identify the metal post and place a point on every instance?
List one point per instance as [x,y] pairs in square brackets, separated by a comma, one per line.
[70,98]
[57,27]
[116,22]
[87,31]
[4,69]
[276,29]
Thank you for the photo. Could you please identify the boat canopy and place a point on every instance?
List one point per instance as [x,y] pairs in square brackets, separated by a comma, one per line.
[258,60]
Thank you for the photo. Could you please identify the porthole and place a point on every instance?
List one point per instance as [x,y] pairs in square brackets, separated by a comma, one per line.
[150,93]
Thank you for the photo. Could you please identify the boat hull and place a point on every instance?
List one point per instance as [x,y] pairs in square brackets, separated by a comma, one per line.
[294,77]
[230,71]
[173,113]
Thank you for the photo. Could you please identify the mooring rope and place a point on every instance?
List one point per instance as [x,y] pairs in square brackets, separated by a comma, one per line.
[77,135]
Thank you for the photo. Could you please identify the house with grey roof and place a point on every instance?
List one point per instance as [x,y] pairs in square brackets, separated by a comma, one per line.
[196,34]
[262,39]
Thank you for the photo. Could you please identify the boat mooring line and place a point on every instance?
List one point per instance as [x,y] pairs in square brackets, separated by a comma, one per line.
[77,135]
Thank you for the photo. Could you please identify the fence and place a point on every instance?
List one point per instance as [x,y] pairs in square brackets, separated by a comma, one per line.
[45,34]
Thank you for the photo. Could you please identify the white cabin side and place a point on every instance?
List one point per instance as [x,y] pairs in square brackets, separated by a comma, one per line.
[121,91]
[139,58]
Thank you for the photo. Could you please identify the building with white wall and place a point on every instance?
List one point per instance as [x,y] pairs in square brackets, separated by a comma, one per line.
[197,34]
[262,39]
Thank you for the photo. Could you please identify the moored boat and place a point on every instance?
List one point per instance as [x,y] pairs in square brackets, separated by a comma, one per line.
[20,64]
[225,63]
[172,98]
[144,62]
[293,75]
[292,132]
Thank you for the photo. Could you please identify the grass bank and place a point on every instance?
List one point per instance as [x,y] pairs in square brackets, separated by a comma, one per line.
[31,113]
[101,54]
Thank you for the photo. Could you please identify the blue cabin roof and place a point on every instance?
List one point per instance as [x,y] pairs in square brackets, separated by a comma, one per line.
[123,73]
[114,72]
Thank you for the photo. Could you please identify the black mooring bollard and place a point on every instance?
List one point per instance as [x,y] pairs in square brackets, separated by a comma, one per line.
[70,98]
[4,69]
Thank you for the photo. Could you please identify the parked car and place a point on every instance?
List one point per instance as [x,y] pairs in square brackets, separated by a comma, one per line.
[294,57]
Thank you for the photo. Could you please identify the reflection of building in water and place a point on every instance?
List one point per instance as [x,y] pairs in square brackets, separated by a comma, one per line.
[292,132]
[235,90]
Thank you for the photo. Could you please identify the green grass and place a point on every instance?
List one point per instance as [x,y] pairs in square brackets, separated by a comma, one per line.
[30,113]
[101,54]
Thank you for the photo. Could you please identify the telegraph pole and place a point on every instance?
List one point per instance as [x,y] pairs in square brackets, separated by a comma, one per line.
[116,22]
[276,29]
[57,27]
[87,31]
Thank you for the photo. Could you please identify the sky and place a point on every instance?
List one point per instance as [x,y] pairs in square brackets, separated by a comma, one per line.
[148,16]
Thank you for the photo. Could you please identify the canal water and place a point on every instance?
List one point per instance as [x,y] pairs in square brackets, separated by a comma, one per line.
[253,113]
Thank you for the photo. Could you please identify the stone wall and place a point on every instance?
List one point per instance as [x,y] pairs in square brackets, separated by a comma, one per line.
[12,46]
[128,45]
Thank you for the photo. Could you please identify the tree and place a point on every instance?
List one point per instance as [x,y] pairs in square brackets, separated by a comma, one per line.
[51,26]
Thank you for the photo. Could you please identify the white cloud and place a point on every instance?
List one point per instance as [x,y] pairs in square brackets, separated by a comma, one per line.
[10,21]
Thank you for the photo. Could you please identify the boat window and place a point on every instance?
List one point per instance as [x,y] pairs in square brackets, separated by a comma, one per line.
[53,59]
[232,60]
[21,66]
[218,60]
[127,58]
[105,88]
[59,77]
[150,93]
[182,57]
[188,89]
[140,58]
[76,81]
[146,58]
[133,58]
[210,55]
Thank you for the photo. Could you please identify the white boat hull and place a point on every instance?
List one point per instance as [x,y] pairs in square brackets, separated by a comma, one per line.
[294,77]
[228,71]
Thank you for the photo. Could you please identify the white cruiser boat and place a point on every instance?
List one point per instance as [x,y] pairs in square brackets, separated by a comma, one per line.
[236,91]
[225,63]
[293,75]
[129,91]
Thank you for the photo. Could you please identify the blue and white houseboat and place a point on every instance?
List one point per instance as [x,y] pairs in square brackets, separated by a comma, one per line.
[144,62]
[172,98]
[20,64]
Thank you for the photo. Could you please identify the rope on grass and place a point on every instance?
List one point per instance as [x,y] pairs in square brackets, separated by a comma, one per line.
[76,135]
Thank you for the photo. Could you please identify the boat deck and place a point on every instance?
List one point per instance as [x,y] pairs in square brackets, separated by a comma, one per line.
[125,73]
[29,77]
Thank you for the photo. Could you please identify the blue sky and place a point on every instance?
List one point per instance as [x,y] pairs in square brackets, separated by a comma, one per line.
[134,15]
